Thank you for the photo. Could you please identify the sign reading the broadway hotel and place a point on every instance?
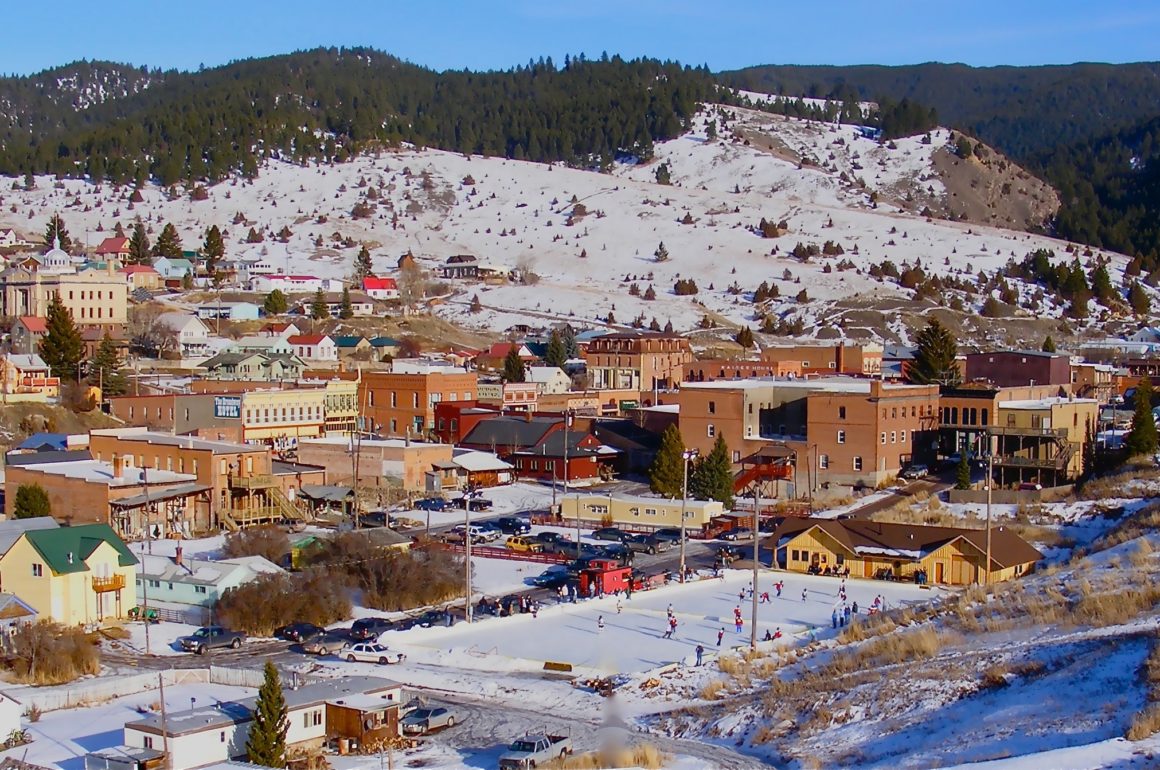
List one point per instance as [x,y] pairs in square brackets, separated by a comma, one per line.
[227,406]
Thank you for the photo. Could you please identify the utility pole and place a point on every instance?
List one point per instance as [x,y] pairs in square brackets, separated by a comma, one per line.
[164,718]
[686,456]
[756,563]
[990,483]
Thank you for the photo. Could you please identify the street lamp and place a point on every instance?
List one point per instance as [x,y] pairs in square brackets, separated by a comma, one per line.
[686,456]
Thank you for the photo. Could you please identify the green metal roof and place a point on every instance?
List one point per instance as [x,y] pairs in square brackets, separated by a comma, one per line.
[55,545]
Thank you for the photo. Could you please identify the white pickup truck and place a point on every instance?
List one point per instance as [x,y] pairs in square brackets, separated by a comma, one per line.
[532,750]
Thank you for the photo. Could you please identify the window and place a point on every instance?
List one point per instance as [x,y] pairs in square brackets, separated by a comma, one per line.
[793,555]
[37,570]
[858,463]
[394,399]
[902,437]
[841,412]
[200,590]
[823,461]
[736,455]
[154,583]
[170,586]
[893,436]
[894,414]
[414,400]
[650,511]
[712,407]
[711,430]
[148,741]
[222,736]
[883,437]
[841,437]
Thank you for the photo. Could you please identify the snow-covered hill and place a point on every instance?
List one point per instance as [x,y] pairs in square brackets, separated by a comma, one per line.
[589,235]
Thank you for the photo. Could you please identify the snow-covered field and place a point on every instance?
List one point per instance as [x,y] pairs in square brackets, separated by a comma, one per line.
[631,640]
[517,214]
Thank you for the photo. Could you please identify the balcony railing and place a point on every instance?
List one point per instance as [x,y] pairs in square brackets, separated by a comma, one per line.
[1016,430]
[1057,462]
[111,583]
[259,481]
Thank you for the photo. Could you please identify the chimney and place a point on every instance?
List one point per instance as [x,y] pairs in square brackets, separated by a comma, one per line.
[177,555]
[840,358]
[118,466]
[528,415]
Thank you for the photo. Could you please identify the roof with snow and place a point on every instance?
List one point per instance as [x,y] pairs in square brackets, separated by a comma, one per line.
[26,361]
[910,541]
[133,269]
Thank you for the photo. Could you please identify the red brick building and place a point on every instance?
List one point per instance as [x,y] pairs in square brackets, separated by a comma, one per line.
[1018,368]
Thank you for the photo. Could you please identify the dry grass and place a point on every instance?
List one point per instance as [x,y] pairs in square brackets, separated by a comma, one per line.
[643,755]
[49,653]
[715,690]
[1145,723]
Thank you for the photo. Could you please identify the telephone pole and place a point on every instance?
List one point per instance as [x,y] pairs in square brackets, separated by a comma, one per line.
[756,563]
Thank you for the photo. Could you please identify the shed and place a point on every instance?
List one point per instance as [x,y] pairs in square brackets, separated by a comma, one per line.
[364,719]
[124,758]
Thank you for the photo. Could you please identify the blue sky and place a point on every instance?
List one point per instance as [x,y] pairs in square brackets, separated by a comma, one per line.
[489,34]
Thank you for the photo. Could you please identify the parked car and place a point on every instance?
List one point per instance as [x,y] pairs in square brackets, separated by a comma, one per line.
[365,629]
[552,577]
[324,643]
[672,534]
[428,619]
[432,504]
[610,533]
[460,534]
[618,551]
[552,541]
[476,503]
[423,720]
[533,750]
[512,525]
[523,544]
[576,550]
[296,632]
[490,531]
[211,637]
[914,471]
[648,544]
[370,652]
[737,533]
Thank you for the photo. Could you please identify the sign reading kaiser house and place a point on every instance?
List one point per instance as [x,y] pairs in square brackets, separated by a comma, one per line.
[227,406]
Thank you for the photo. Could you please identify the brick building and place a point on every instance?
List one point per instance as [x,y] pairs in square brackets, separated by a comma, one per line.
[1012,368]
[840,430]
[863,359]
[709,370]
[640,361]
[403,403]
[378,460]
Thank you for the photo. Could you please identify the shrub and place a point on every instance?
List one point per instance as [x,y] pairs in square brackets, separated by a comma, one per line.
[267,541]
[49,653]
[392,580]
[315,596]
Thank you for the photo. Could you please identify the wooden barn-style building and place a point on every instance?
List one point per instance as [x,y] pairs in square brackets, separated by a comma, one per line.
[947,555]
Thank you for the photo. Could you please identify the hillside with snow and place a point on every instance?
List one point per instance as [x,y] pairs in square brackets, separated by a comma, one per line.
[588,236]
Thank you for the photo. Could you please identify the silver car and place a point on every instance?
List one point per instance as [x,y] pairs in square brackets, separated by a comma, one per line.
[424,720]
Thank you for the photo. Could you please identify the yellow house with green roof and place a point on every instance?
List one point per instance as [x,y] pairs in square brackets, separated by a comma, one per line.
[74,575]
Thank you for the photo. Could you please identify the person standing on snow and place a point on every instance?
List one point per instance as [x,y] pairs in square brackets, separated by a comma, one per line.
[720,636]
[804,594]
[700,652]
[600,623]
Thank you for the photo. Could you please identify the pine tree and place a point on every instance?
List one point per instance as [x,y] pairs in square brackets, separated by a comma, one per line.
[31,502]
[275,303]
[266,744]
[513,365]
[661,254]
[62,347]
[105,369]
[744,338]
[318,307]
[554,355]
[363,266]
[1102,284]
[666,474]
[934,358]
[571,347]
[1048,344]
[119,230]
[1141,439]
[168,243]
[57,231]
[963,472]
[213,249]
[139,245]
[713,478]
[1138,299]
[346,310]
